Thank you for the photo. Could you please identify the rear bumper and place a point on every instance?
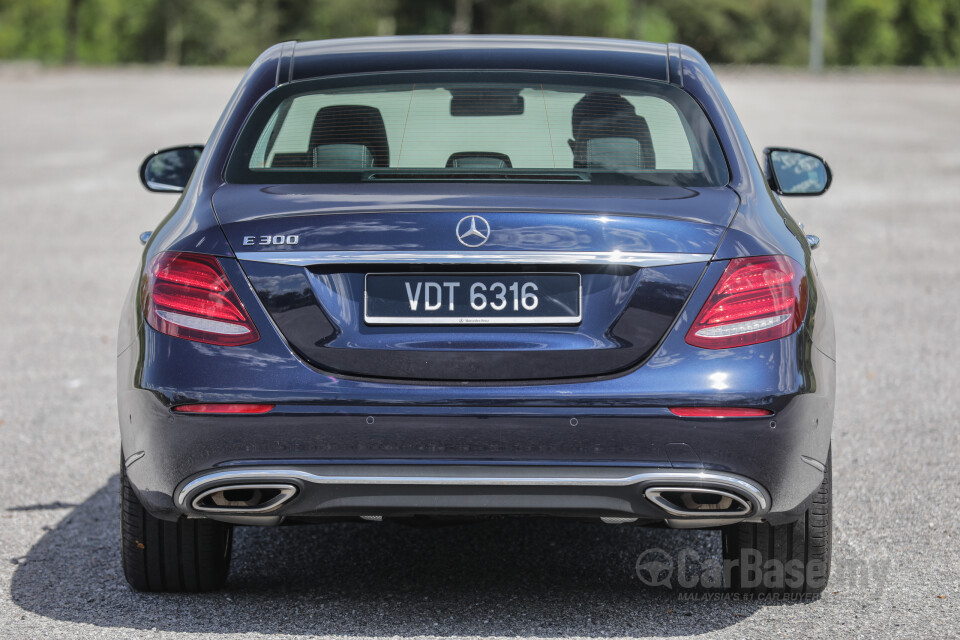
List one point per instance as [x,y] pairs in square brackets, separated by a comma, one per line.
[522,459]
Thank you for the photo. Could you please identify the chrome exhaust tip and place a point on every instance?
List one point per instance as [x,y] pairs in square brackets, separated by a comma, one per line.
[699,502]
[244,498]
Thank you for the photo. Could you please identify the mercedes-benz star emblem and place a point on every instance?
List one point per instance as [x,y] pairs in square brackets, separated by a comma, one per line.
[473,231]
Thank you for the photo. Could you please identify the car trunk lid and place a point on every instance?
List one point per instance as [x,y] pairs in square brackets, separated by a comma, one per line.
[636,253]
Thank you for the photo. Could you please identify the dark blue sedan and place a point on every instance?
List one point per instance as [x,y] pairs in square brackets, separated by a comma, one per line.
[450,278]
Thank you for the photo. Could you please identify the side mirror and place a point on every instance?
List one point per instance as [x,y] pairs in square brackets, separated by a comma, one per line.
[792,172]
[169,170]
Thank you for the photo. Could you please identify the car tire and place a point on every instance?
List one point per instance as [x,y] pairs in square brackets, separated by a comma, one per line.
[787,559]
[178,556]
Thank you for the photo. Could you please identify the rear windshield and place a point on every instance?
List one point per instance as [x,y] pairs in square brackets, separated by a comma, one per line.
[479,126]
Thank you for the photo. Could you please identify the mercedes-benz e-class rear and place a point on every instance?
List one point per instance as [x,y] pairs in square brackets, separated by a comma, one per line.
[415,278]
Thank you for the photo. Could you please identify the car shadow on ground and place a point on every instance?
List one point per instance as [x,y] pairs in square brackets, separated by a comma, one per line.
[514,577]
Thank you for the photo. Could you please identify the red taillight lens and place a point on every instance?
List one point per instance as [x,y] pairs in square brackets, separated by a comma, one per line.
[719,412]
[187,295]
[756,300]
[224,408]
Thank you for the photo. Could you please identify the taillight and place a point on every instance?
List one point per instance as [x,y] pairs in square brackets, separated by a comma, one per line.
[224,408]
[756,300]
[719,412]
[187,295]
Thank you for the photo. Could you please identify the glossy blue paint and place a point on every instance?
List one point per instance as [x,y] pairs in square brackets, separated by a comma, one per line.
[625,314]
[620,409]
[522,217]
[510,231]
[541,53]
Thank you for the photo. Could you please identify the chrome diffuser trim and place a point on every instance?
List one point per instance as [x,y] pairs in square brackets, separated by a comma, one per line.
[287,492]
[635,259]
[653,494]
[687,480]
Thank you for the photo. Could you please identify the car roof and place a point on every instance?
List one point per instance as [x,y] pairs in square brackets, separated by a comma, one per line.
[303,60]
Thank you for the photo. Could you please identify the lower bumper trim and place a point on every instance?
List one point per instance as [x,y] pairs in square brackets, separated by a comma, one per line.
[390,489]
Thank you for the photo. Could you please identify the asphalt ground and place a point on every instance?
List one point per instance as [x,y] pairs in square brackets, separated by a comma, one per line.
[70,212]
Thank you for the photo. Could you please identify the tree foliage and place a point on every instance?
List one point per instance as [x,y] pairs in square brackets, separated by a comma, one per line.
[233,32]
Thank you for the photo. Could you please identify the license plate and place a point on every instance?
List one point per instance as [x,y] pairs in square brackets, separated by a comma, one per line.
[472,298]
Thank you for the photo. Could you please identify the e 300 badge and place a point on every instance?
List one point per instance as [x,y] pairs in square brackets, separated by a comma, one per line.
[264,241]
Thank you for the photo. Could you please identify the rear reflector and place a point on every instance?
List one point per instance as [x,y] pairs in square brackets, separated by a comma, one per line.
[756,300]
[188,295]
[224,408]
[719,412]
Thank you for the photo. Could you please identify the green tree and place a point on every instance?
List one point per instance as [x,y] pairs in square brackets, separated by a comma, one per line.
[609,18]
[233,32]
[33,30]
[863,32]
[929,32]
[742,31]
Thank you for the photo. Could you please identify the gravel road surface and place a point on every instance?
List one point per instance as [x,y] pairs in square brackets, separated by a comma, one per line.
[71,209]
